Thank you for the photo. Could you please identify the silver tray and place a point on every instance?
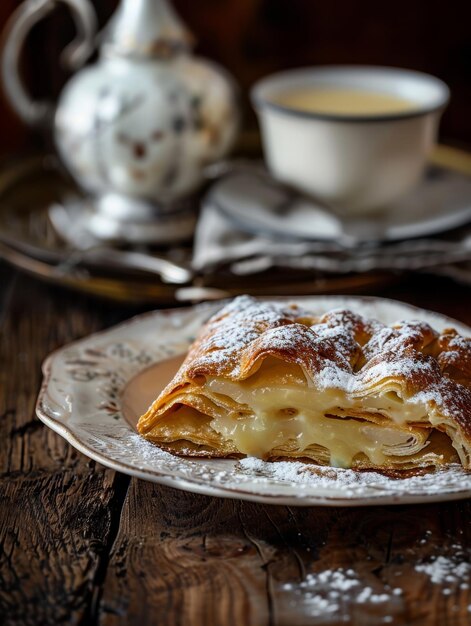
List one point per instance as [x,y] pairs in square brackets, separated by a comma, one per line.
[29,241]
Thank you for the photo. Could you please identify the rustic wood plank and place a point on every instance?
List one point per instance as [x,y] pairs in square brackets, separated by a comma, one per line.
[54,530]
[58,510]
[36,320]
[187,559]
[181,558]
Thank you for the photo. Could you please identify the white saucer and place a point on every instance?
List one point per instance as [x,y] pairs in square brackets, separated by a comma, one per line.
[258,204]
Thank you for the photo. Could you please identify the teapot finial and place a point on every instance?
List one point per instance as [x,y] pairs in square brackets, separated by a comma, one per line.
[145,28]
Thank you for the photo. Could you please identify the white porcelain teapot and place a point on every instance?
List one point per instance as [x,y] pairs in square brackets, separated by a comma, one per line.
[138,128]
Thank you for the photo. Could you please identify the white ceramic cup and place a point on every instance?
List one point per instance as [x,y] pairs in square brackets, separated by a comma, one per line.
[356,164]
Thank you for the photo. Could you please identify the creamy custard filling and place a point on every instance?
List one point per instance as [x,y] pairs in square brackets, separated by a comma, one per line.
[331,400]
[290,414]
[345,439]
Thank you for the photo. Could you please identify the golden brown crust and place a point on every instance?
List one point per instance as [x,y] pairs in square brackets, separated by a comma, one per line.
[340,349]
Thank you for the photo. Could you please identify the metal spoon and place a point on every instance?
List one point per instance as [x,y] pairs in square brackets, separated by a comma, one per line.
[90,249]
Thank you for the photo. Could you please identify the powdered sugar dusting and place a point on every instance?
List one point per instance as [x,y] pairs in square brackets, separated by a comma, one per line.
[350,482]
[445,570]
[334,592]
[333,595]
[339,349]
[236,327]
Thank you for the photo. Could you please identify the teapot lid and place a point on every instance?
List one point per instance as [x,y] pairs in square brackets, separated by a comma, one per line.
[145,29]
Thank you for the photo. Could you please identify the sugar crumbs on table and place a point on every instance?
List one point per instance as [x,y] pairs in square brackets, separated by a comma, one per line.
[328,591]
[447,570]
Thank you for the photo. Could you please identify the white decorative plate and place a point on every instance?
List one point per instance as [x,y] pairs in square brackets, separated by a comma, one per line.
[95,389]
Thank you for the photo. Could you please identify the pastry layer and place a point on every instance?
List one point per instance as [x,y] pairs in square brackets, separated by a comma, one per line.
[272,381]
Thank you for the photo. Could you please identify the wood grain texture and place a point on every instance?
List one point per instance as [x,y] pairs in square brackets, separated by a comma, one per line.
[82,545]
[187,559]
[57,508]
[206,569]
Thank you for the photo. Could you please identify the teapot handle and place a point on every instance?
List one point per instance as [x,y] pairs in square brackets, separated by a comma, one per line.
[73,56]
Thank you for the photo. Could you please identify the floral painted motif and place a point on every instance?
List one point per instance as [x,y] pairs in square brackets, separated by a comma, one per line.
[110,367]
[145,130]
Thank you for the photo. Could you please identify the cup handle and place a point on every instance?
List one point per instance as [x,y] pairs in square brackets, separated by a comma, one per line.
[74,55]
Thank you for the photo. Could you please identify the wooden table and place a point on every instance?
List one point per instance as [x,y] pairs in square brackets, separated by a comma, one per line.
[80,544]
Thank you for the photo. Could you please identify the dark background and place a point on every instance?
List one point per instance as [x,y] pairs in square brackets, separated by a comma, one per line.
[255,37]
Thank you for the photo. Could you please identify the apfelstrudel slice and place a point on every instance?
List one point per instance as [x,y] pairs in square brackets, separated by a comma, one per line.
[273,381]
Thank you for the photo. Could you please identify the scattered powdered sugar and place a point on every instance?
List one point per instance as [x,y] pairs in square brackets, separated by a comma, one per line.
[332,377]
[405,366]
[300,473]
[349,483]
[443,570]
[335,590]
[147,451]
[459,344]
[367,595]
[332,594]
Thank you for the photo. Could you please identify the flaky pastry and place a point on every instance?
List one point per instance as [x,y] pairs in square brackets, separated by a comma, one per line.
[271,380]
